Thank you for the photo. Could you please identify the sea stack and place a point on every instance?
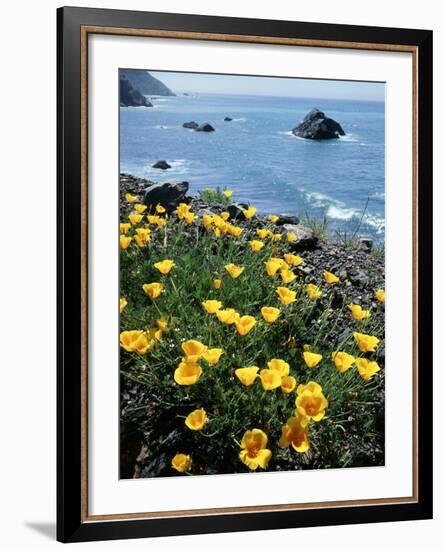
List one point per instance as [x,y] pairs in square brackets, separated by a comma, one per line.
[317,126]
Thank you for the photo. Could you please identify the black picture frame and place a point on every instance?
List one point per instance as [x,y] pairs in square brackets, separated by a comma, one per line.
[71,523]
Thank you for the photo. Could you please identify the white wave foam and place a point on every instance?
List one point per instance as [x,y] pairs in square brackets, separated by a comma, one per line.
[348,137]
[240,119]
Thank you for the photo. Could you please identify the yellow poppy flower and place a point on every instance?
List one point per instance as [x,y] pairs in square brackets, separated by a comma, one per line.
[187,373]
[124,228]
[342,360]
[287,276]
[217,283]
[122,303]
[263,233]
[135,218]
[330,278]
[276,236]
[143,233]
[190,217]
[160,222]
[140,208]
[182,209]
[291,237]
[152,219]
[380,295]
[310,402]
[212,355]
[225,215]
[247,375]
[130,198]
[141,243]
[165,266]
[286,296]
[311,359]
[256,245]
[249,212]
[143,344]
[294,433]
[244,324]
[160,209]
[196,420]
[254,453]
[234,270]
[280,366]
[358,313]
[270,314]
[193,349]
[288,384]
[153,290]
[227,316]
[128,338]
[235,231]
[293,260]
[367,368]
[270,378]
[182,463]
[125,242]
[211,306]
[228,193]
[272,266]
[273,218]
[366,342]
[313,291]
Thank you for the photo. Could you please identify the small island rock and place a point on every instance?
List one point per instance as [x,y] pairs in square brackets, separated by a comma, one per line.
[316,125]
[205,127]
[228,119]
[191,125]
[162,165]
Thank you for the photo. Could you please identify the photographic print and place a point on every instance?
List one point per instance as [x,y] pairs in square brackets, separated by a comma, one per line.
[252,286]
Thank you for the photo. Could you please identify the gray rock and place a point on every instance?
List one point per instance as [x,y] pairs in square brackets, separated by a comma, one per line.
[162,165]
[306,239]
[366,245]
[284,219]
[205,127]
[316,125]
[228,119]
[130,96]
[358,277]
[169,194]
[191,125]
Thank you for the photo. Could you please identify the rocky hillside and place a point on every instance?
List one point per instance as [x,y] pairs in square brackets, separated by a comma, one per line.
[130,96]
[145,83]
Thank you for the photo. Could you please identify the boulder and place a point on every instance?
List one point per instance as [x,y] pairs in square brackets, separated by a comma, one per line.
[366,244]
[162,165]
[191,125]
[130,96]
[306,239]
[205,127]
[236,210]
[169,194]
[316,125]
[228,119]
[285,219]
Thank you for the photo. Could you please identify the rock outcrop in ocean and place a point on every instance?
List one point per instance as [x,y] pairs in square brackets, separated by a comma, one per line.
[130,96]
[162,165]
[316,125]
[145,83]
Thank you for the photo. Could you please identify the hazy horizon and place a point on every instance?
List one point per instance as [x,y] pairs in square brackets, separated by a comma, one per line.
[271,86]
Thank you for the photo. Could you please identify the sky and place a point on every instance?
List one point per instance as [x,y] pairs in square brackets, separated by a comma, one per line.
[259,85]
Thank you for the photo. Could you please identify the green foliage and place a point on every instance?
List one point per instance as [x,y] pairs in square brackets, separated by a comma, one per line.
[214,196]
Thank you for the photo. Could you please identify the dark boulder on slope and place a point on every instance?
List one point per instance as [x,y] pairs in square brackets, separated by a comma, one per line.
[169,194]
[316,125]
[129,96]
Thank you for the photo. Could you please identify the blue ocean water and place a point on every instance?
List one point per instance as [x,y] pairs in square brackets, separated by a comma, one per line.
[257,156]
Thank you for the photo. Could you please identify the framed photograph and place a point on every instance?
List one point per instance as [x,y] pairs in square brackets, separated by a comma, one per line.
[245,274]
